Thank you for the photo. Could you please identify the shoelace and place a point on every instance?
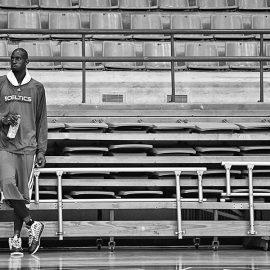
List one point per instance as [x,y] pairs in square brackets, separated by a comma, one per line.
[16,243]
[35,231]
[30,240]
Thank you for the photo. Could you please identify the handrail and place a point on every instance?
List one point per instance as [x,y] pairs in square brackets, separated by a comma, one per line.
[172,59]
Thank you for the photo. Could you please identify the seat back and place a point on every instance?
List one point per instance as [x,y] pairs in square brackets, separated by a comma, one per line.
[134,4]
[261,21]
[3,52]
[55,4]
[96,4]
[254,4]
[16,3]
[24,19]
[174,4]
[213,4]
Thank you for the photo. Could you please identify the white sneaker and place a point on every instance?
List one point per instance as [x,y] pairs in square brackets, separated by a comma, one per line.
[15,245]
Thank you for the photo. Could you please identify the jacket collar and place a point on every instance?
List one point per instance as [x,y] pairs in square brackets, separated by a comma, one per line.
[12,79]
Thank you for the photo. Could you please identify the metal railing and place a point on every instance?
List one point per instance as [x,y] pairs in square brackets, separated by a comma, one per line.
[172,59]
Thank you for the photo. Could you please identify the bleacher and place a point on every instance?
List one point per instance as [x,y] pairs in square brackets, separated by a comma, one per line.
[197,170]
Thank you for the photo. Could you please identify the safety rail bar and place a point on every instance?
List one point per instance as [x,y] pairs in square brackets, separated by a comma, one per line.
[177,170]
[251,194]
[171,59]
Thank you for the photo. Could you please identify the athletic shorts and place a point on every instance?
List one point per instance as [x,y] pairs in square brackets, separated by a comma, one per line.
[16,176]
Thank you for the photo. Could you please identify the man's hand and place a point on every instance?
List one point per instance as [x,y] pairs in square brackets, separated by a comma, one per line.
[40,160]
[9,119]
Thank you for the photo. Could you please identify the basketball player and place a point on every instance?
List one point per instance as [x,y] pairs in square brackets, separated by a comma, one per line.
[22,99]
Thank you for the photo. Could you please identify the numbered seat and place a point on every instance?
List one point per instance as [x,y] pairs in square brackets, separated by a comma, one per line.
[4,52]
[176,5]
[261,21]
[203,49]
[136,4]
[253,5]
[228,21]
[42,49]
[74,48]
[56,4]
[120,49]
[242,49]
[97,4]
[147,21]
[187,21]
[17,4]
[64,20]
[216,5]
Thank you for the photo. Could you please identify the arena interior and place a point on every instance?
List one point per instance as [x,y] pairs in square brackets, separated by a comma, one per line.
[151,164]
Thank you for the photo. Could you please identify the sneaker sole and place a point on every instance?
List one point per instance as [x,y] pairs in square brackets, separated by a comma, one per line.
[39,237]
[16,254]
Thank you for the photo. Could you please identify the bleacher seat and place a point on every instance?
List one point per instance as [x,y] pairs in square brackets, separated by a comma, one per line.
[106,20]
[17,4]
[208,49]
[180,51]
[172,151]
[3,52]
[56,127]
[136,4]
[188,21]
[242,49]
[253,127]
[64,20]
[56,4]
[86,127]
[261,21]
[215,127]
[217,151]
[216,5]
[255,150]
[228,21]
[84,150]
[74,48]
[141,194]
[132,149]
[129,127]
[172,127]
[92,194]
[24,20]
[147,21]
[38,48]
[253,5]
[3,22]
[120,49]
[97,4]
[176,5]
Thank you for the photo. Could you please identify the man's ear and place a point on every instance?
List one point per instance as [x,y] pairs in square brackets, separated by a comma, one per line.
[26,61]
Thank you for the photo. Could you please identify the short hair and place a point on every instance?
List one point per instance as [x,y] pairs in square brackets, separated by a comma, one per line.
[23,52]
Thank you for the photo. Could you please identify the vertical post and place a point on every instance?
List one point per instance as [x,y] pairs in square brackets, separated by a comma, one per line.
[60,205]
[83,71]
[178,205]
[200,188]
[251,202]
[228,179]
[172,70]
[36,173]
[261,70]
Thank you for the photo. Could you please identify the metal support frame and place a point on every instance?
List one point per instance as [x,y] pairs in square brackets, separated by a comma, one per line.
[179,232]
[36,174]
[60,232]
[251,201]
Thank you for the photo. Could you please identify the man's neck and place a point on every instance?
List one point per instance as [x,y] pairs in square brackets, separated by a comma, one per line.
[20,76]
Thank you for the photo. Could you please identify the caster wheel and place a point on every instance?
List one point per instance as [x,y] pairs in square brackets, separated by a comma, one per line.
[111,245]
[99,243]
[196,242]
[215,245]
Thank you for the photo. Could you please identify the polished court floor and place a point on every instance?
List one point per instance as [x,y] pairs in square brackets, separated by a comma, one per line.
[140,259]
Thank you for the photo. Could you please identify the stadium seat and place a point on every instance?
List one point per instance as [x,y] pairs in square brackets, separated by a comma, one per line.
[92,194]
[215,5]
[261,21]
[186,21]
[56,4]
[120,49]
[253,5]
[86,127]
[106,20]
[24,20]
[172,151]
[217,151]
[3,52]
[141,194]
[146,21]
[128,127]
[84,150]
[41,48]
[74,48]
[136,4]
[203,49]
[242,49]
[215,127]
[56,127]
[255,150]
[17,4]
[129,149]
[176,4]
[64,20]
[228,21]
[253,127]
[97,4]
[172,127]
[3,22]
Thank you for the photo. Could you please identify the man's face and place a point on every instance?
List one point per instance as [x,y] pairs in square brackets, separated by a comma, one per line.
[18,62]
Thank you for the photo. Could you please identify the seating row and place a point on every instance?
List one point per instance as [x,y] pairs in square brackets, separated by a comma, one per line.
[139,4]
[139,49]
[119,21]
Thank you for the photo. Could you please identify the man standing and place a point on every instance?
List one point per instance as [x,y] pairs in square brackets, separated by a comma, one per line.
[23,102]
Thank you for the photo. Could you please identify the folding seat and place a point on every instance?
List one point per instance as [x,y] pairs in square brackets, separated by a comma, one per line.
[132,149]
[17,4]
[141,194]
[106,20]
[3,22]
[255,150]
[253,127]
[146,21]
[180,51]
[261,21]
[97,4]
[203,49]
[55,127]
[136,4]
[120,49]
[38,48]
[187,21]
[242,49]
[56,4]
[84,151]
[172,127]
[172,151]
[24,20]
[129,127]
[215,127]
[216,5]
[92,194]
[228,21]
[64,20]
[74,48]
[86,127]
[4,52]
[217,151]
[253,5]
[176,4]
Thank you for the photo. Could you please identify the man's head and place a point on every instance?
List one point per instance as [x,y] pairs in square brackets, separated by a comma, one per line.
[19,60]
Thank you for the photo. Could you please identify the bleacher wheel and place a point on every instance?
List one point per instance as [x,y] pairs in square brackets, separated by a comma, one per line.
[99,243]
[196,242]
[215,245]
[111,245]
